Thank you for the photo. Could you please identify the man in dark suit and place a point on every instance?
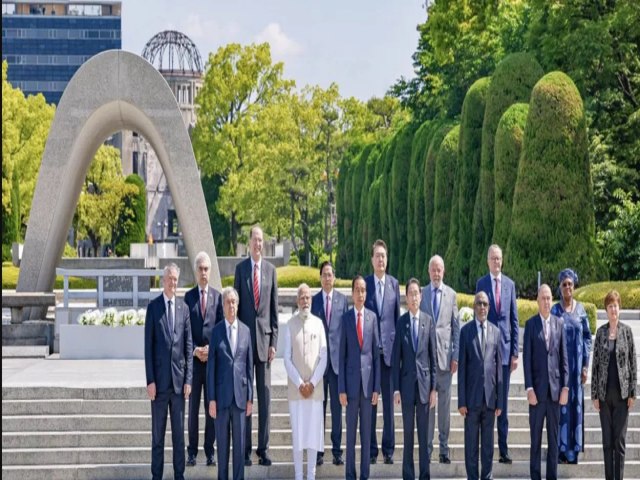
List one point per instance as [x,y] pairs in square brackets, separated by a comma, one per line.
[414,378]
[503,312]
[205,310]
[480,394]
[330,305]
[256,284]
[546,378]
[169,370]
[383,298]
[441,303]
[359,376]
[230,384]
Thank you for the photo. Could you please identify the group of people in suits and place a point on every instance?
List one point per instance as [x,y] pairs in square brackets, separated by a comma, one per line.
[220,342]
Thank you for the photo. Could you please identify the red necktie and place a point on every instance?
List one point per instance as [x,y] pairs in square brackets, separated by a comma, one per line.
[202,304]
[256,286]
[359,329]
[497,295]
[327,314]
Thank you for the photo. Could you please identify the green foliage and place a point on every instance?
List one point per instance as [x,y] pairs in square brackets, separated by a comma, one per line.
[10,279]
[359,168]
[69,251]
[292,276]
[446,171]
[595,293]
[343,205]
[553,191]
[364,223]
[6,253]
[131,227]
[219,224]
[386,213]
[294,260]
[373,218]
[469,150]
[508,145]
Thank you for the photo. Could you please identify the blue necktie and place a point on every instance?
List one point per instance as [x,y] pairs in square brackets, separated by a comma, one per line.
[415,334]
[436,304]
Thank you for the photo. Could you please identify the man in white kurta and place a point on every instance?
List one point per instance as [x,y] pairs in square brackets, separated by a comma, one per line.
[305,359]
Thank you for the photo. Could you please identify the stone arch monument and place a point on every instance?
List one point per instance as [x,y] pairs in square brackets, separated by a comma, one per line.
[114,90]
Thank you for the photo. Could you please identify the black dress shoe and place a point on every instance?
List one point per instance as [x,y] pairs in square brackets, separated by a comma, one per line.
[445,459]
[247,462]
[191,461]
[319,459]
[505,459]
[211,461]
[388,460]
[264,460]
[337,460]
[373,460]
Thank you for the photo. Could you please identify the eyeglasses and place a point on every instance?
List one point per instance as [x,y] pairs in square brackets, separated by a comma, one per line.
[567,284]
[482,304]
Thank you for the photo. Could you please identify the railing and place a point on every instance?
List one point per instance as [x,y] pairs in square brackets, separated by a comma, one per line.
[100,295]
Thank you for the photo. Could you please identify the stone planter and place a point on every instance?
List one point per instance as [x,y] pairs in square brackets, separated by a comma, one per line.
[96,342]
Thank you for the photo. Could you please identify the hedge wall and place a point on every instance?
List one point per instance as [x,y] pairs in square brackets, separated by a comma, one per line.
[132,224]
[358,169]
[364,225]
[386,193]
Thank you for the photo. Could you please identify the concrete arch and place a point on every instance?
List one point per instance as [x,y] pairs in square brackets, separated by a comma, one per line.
[114,90]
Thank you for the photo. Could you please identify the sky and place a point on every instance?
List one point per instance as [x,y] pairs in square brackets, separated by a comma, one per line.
[363,46]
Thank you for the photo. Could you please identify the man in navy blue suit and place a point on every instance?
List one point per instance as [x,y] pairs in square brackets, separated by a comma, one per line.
[169,370]
[503,312]
[480,394]
[546,378]
[330,305]
[230,384]
[205,310]
[383,298]
[414,378]
[359,376]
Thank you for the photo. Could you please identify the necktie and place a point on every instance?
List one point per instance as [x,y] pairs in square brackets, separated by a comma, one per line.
[379,297]
[415,334]
[359,329]
[436,304]
[256,287]
[170,318]
[546,332]
[203,305]
[232,339]
[484,339]
[327,313]
[497,295]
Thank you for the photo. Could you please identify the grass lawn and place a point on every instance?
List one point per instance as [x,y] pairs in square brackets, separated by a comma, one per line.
[10,279]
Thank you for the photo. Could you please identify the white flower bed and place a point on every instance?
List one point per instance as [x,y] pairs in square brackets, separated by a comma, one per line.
[110,317]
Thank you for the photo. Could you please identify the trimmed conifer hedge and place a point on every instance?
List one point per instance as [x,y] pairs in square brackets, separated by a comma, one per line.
[364,225]
[358,168]
[132,224]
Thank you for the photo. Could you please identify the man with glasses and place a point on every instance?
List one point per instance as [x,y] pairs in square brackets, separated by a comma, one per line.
[480,393]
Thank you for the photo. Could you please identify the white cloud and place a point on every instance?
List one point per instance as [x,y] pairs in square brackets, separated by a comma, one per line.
[281,44]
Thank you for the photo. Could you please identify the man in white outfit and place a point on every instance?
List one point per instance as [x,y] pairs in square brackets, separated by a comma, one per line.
[305,359]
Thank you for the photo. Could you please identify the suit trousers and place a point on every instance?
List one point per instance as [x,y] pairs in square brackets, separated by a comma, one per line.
[199,384]
[331,390]
[545,408]
[418,413]
[478,426]
[503,419]
[614,417]
[358,408]
[263,389]
[388,427]
[231,421]
[172,403]
[443,387]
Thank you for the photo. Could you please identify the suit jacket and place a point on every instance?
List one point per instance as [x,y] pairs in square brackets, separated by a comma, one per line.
[201,326]
[545,370]
[168,357]
[411,366]
[230,377]
[263,322]
[388,317]
[480,377]
[507,318]
[625,361]
[447,324]
[359,366]
[339,306]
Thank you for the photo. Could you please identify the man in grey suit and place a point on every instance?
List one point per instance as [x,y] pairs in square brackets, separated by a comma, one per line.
[546,378]
[169,370]
[414,378]
[230,384]
[256,284]
[330,305]
[359,376]
[480,394]
[440,302]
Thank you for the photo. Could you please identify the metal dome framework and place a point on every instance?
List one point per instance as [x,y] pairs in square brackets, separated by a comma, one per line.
[172,51]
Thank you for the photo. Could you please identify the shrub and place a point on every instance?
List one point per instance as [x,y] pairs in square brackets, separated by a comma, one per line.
[292,277]
[343,210]
[553,224]
[595,293]
[358,168]
[132,224]
[364,226]
[386,213]
[69,251]
[508,146]
[373,218]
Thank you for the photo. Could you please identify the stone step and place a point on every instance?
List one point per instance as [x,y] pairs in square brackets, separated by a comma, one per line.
[126,422]
[141,471]
[278,453]
[142,439]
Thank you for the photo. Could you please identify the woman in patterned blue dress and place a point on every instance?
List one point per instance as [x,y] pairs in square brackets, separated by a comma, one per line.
[578,335]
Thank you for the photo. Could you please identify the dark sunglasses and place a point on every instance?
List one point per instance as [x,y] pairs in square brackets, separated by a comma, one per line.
[567,284]
[482,304]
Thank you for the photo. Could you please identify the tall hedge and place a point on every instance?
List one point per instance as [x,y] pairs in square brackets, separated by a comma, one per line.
[132,224]
[373,218]
[343,213]
[364,224]
[553,224]
[400,185]
[418,148]
[511,82]
[469,148]
[386,192]
[359,168]
[508,146]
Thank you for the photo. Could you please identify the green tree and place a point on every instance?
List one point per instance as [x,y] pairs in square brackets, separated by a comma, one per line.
[132,221]
[553,223]
[386,213]
[365,226]
[359,167]
[219,224]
